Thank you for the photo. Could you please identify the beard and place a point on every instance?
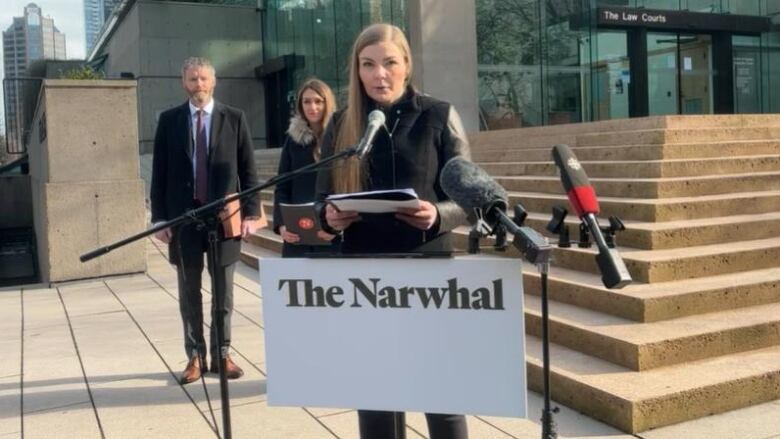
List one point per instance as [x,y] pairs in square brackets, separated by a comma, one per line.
[200,97]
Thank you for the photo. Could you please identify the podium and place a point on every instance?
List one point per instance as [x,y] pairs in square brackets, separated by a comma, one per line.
[425,335]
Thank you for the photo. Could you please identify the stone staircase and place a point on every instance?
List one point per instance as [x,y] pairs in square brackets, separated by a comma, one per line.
[698,332]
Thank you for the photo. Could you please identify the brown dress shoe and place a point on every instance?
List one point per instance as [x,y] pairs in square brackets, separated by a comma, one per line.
[232,371]
[192,372]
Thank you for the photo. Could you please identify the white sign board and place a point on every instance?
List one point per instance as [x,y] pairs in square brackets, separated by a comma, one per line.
[427,335]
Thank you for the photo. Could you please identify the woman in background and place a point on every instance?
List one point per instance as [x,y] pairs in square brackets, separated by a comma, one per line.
[314,107]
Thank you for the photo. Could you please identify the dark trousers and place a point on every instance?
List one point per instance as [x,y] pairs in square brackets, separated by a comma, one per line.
[384,425]
[191,308]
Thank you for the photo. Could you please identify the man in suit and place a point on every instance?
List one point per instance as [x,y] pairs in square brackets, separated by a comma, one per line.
[202,152]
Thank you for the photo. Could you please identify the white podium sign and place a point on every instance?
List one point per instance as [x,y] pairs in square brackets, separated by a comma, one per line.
[427,335]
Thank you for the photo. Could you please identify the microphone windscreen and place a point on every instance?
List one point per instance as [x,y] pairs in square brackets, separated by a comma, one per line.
[377,117]
[578,188]
[469,186]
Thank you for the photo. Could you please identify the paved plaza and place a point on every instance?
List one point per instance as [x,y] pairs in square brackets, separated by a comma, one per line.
[101,358]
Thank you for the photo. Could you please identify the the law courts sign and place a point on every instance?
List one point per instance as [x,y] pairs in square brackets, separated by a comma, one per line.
[617,17]
[429,335]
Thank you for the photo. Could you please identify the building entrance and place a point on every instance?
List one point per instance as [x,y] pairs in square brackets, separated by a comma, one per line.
[679,73]
[684,62]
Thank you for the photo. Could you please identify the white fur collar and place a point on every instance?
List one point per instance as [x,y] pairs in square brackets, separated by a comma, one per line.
[299,131]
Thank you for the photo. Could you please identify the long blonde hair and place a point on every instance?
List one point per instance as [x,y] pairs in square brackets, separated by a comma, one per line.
[322,89]
[348,178]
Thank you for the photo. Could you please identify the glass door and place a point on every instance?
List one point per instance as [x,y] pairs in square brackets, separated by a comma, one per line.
[695,74]
[679,70]
[662,73]
[610,68]
[747,71]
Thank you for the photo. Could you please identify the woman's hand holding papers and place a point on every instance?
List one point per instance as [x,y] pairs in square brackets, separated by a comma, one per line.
[340,219]
[423,218]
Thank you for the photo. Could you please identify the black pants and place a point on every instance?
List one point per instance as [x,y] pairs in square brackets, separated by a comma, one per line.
[191,308]
[383,425]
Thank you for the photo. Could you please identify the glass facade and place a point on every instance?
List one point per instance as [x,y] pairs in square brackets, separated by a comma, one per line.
[305,38]
[544,62]
[319,33]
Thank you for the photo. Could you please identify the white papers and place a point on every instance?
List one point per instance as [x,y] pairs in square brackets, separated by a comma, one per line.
[376,201]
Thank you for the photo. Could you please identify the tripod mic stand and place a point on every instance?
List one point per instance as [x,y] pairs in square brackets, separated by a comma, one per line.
[207,216]
[535,249]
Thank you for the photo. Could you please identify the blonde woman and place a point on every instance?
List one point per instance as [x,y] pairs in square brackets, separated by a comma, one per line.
[421,134]
[314,107]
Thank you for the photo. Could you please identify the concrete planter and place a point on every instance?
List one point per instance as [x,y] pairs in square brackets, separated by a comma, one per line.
[86,187]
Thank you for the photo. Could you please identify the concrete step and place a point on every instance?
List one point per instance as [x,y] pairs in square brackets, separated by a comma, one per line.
[647,235]
[673,136]
[643,346]
[651,266]
[642,302]
[675,234]
[644,169]
[509,152]
[568,133]
[661,210]
[638,401]
[266,239]
[653,187]
[697,232]
[250,253]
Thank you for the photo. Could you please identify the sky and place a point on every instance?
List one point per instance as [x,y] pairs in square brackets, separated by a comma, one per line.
[68,17]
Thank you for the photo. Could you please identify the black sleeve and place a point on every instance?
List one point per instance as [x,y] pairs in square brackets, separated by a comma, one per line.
[157,190]
[455,143]
[325,175]
[247,175]
[282,191]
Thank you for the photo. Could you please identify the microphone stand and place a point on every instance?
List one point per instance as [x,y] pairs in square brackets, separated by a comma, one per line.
[207,216]
[548,424]
[535,249]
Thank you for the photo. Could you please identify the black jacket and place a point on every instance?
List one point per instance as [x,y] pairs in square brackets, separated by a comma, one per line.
[297,152]
[421,134]
[231,167]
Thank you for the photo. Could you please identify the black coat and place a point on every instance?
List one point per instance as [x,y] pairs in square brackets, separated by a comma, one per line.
[231,168]
[421,134]
[297,152]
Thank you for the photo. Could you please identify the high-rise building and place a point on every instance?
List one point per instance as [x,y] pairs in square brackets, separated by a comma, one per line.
[96,12]
[29,38]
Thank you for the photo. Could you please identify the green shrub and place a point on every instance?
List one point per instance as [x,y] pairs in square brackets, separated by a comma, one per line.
[82,73]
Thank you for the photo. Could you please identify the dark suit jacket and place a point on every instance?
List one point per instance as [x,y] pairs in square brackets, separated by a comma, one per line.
[231,168]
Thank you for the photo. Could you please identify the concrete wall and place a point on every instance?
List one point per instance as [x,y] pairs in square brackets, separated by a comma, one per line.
[155,37]
[84,172]
[443,36]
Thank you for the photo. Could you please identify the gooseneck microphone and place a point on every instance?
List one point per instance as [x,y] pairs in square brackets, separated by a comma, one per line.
[470,187]
[376,120]
[582,197]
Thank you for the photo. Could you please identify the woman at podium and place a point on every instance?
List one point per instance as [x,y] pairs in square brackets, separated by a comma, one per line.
[420,135]
[314,106]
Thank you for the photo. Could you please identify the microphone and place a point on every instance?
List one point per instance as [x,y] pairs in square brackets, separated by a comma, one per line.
[582,197]
[470,187]
[376,120]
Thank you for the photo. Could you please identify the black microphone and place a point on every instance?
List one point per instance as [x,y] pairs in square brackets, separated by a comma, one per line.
[376,120]
[614,273]
[470,187]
